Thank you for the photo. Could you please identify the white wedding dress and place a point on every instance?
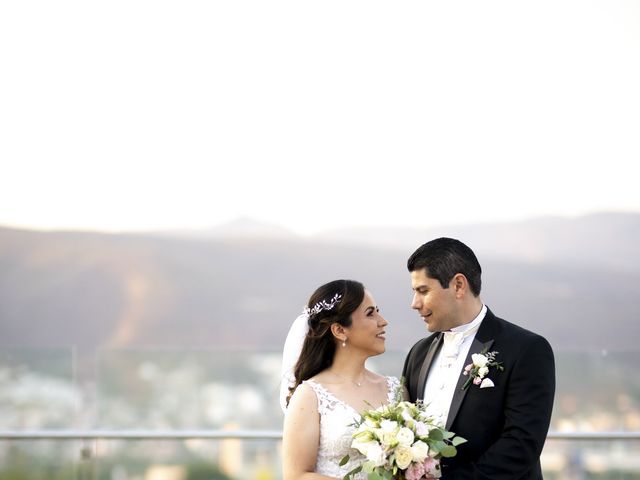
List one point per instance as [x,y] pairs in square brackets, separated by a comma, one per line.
[336,419]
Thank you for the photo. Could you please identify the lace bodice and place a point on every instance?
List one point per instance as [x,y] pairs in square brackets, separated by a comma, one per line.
[336,419]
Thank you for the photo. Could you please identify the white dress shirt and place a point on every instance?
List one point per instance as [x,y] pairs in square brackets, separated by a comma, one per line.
[447,367]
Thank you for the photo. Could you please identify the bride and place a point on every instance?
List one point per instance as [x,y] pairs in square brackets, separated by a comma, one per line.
[329,384]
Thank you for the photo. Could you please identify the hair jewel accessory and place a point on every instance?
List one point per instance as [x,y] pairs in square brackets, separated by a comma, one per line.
[323,305]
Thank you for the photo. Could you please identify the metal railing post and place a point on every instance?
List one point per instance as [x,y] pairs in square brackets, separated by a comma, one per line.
[87,464]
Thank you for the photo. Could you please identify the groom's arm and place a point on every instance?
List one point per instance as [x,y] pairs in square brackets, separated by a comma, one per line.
[528,406]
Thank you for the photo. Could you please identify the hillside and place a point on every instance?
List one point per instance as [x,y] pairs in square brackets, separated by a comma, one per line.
[575,281]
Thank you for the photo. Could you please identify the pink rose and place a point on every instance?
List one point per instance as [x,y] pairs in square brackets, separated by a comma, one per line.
[477,381]
[415,471]
[431,468]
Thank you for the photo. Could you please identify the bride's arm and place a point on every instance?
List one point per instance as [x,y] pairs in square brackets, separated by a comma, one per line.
[301,436]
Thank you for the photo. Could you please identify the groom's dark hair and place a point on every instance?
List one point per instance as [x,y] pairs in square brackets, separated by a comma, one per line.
[445,257]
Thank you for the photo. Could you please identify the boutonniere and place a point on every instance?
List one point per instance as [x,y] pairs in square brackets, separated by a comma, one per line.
[479,368]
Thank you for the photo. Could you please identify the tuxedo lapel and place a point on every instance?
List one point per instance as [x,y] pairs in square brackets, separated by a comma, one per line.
[483,340]
[458,395]
[428,359]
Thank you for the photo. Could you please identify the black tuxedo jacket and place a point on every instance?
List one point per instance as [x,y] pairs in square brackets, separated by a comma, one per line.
[505,425]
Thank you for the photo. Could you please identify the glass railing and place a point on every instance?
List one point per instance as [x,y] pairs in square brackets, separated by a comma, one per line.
[155,414]
[252,455]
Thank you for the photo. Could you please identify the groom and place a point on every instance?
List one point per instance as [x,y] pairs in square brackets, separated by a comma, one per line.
[501,403]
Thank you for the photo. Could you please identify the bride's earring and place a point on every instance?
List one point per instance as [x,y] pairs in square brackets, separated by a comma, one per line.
[344,343]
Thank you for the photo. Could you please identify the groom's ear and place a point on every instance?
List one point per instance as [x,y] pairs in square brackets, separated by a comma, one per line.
[460,285]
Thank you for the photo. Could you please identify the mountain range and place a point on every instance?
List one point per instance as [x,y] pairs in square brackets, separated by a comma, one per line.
[240,285]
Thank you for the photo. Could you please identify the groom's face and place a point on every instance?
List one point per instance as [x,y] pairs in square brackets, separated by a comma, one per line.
[436,305]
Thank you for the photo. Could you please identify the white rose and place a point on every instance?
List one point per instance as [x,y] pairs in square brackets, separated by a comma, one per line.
[389,439]
[422,429]
[405,436]
[420,450]
[404,457]
[388,425]
[479,360]
[376,455]
[363,446]
[482,371]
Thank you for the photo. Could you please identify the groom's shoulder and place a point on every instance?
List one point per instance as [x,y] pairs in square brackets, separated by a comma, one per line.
[516,333]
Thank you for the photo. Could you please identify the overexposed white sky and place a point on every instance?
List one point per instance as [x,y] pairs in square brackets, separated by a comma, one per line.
[136,115]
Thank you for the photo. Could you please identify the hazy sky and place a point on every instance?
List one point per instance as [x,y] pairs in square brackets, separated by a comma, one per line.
[134,115]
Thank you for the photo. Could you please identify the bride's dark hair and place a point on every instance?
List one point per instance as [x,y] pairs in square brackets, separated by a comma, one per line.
[319,345]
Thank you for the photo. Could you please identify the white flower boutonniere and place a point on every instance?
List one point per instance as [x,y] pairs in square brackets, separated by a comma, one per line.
[479,368]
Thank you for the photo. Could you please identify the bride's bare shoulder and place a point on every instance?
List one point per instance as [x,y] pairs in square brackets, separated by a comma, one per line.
[303,398]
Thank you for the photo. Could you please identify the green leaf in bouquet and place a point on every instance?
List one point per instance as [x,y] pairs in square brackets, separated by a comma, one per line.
[447,434]
[458,441]
[448,451]
[436,434]
[374,475]
[348,476]
[439,446]
[367,467]
[344,460]
[392,461]
[387,475]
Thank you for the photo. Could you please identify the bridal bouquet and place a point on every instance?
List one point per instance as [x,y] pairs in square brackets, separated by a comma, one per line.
[401,442]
